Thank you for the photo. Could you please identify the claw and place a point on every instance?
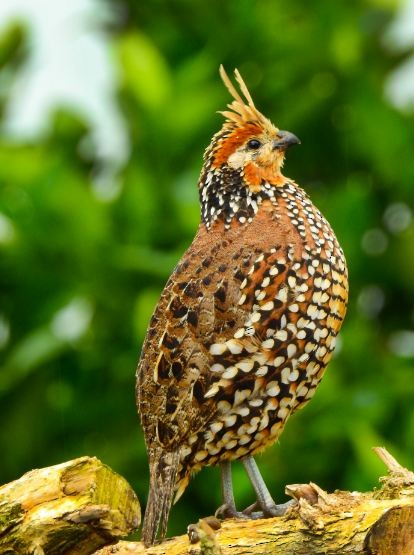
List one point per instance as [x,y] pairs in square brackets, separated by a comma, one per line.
[248,511]
[277,510]
[227,511]
[269,511]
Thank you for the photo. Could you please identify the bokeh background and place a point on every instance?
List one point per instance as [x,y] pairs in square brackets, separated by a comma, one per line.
[105,110]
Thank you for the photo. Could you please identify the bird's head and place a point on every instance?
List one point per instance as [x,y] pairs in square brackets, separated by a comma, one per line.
[248,142]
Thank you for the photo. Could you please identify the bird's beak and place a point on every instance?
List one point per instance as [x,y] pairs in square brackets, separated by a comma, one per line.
[285,139]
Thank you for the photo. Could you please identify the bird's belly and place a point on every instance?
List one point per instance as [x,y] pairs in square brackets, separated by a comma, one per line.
[251,425]
[251,415]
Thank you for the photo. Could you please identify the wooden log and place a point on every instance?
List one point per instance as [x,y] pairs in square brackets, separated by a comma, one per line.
[71,508]
[82,507]
[380,523]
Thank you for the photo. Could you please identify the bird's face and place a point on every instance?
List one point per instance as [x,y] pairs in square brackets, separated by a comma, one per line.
[257,153]
[248,143]
[263,150]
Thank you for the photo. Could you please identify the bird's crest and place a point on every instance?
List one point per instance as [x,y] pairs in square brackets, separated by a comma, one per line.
[242,111]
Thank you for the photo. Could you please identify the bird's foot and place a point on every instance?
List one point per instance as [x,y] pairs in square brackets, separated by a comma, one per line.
[229,511]
[267,511]
[252,511]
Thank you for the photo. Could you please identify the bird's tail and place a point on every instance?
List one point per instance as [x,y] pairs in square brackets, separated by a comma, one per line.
[163,473]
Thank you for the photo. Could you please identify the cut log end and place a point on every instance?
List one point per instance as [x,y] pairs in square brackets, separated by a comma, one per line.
[73,508]
[392,533]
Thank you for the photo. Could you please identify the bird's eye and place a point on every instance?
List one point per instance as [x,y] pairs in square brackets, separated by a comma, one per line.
[254,144]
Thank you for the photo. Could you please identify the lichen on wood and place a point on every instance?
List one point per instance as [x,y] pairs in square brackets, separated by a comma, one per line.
[72,508]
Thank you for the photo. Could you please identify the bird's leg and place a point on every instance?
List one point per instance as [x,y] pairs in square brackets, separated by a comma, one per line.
[228,509]
[264,500]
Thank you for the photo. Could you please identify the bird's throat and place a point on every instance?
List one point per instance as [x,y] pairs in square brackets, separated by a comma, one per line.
[254,175]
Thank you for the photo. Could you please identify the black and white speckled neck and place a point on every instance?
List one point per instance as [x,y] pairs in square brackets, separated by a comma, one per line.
[224,196]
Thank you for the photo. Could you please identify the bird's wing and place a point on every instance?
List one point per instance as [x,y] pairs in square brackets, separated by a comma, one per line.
[174,370]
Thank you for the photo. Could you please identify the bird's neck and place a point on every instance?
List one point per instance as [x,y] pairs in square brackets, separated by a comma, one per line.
[227,198]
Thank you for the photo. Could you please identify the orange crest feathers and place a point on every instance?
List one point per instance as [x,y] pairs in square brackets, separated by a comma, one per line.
[242,111]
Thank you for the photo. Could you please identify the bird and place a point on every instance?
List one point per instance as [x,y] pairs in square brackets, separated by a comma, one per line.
[246,323]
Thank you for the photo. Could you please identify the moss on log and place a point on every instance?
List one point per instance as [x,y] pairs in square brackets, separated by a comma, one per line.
[71,508]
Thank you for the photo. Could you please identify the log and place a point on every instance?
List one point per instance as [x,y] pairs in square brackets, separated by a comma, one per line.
[380,523]
[71,508]
[82,507]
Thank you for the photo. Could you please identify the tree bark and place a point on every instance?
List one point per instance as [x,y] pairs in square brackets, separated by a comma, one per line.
[71,508]
[82,507]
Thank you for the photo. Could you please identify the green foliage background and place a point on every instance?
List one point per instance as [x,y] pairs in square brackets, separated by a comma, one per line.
[317,69]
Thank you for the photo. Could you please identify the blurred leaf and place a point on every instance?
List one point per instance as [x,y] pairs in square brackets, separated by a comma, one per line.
[31,353]
[12,41]
[145,72]
[346,45]
[143,310]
